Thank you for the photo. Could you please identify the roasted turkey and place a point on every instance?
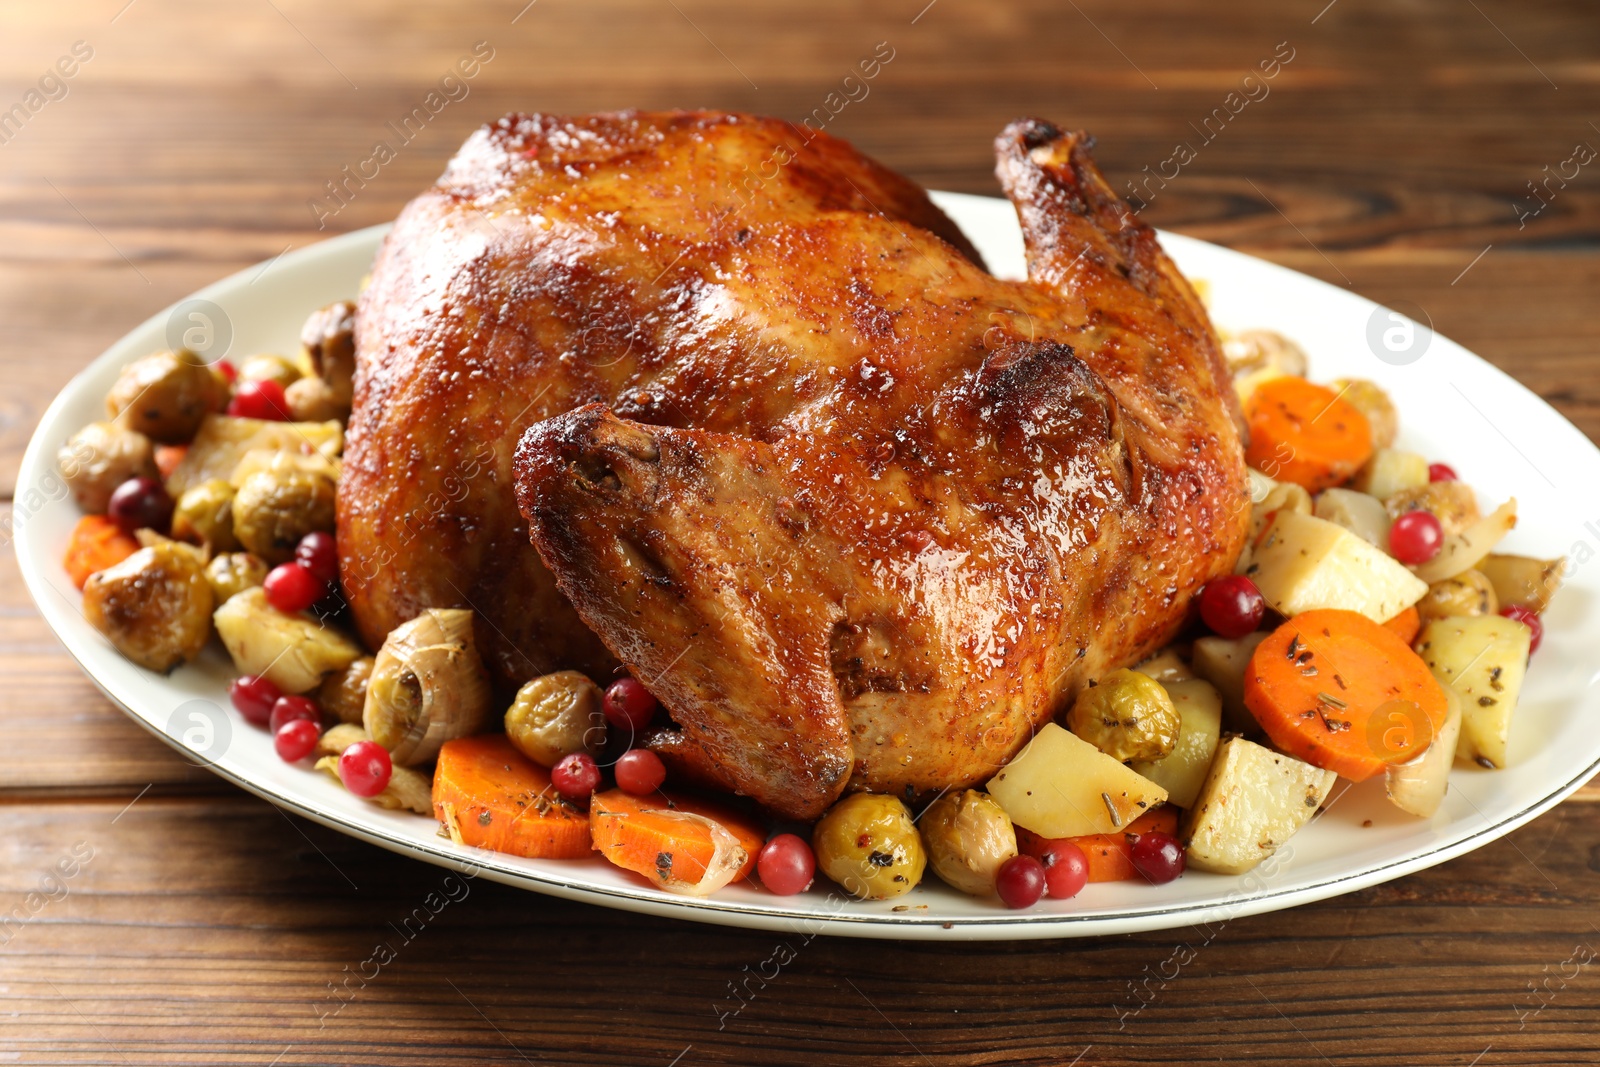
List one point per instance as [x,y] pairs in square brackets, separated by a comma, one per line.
[728,402]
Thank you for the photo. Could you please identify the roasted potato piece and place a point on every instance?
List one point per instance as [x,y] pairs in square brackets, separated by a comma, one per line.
[204,516]
[1126,715]
[234,572]
[1468,593]
[223,441]
[968,836]
[1062,786]
[269,368]
[165,396]
[1453,503]
[1253,800]
[1391,471]
[154,606]
[1183,771]
[1304,563]
[344,692]
[1222,662]
[329,338]
[1523,581]
[1483,658]
[1370,399]
[273,510]
[1357,512]
[100,457]
[1166,666]
[869,845]
[293,652]
[556,715]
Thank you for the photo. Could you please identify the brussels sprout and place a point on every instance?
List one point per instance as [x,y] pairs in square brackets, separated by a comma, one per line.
[100,457]
[1383,418]
[204,516]
[154,606]
[1453,503]
[314,400]
[329,337]
[165,395]
[869,845]
[556,715]
[1468,593]
[1126,715]
[968,836]
[274,509]
[234,572]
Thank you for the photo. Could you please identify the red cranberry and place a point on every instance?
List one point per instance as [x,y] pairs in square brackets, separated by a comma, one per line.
[226,370]
[295,739]
[1066,869]
[639,771]
[575,776]
[291,708]
[141,504]
[1020,882]
[786,865]
[628,705]
[317,554]
[1415,537]
[1442,472]
[262,399]
[1232,605]
[254,696]
[365,768]
[1158,856]
[291,588]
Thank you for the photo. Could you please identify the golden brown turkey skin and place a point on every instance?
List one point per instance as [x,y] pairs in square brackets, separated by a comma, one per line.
[861,514]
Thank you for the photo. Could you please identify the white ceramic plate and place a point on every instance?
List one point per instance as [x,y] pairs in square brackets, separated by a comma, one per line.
[1455,407]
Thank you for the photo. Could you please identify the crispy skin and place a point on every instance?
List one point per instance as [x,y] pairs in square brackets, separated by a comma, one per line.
[862,515]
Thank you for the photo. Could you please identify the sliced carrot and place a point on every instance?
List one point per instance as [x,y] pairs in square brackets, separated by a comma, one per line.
[1305,433]
[1406,625]
[1344,693]
[96,543]
[168,457]
[488,794]
[650,836]
[1110,855]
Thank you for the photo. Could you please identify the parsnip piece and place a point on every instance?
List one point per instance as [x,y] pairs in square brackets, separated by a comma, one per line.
[1522,580]
[1418,785]
[1466,550]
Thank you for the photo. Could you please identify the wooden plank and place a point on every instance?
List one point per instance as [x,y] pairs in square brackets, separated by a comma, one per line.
[172,944]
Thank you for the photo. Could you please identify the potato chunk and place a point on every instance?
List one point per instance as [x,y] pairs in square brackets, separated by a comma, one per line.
[1307,564]
[1483,658]
[1253,800]
[1183,771]
[1062,786]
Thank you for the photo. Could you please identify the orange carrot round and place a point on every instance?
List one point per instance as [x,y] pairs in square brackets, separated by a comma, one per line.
[1305,433]
[1110,855]
[1344,693]
[488,794]
[649,836]
[168,457]
[96,543]
[1406,625]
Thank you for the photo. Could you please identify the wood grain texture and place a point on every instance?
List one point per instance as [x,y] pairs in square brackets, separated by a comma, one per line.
[1394,148]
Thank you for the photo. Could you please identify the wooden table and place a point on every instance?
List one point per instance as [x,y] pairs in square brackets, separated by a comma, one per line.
[1393,155]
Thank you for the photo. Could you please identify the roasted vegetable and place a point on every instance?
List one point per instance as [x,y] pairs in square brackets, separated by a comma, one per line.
[314,400]
[224,440]
[269,368]
[1252,801]
[556,715]
[1183,770]
[95,544]
[1391,471]
[968,836]
[869,845]
[1126,715]
[1357,512]
[407,789]
[428,686]
[232,573]
[1222,662]
[1383,418]
[1305,564]
[1418,785]
[100,457]
[344,692]
[1453,503]
[273,510]
[1166,666]
[1522,581]
[1468,593]
[165,396]
[1062,786]
[329,339]
[1258,356]
[1465,550]
[1304,433]
[204,516]
[486,794]
[1483,658]
[154,606]
[293,652]
[678,843]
